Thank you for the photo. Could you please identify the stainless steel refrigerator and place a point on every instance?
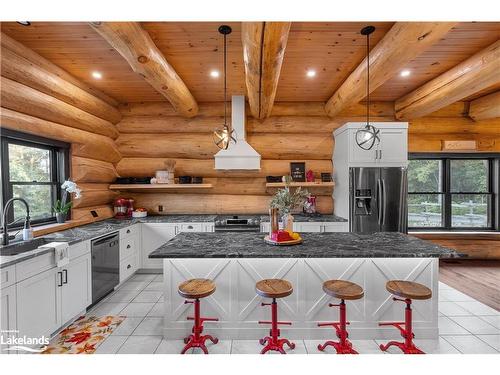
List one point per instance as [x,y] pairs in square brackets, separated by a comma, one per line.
[377,199]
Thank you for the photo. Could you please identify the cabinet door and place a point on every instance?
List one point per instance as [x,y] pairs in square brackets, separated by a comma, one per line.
[7,313]
[153,236]
[393,146]
[76,292]
[335,227]
[39,304]
[359,155]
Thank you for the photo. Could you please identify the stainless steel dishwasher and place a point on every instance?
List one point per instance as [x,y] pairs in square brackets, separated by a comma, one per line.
[105,265]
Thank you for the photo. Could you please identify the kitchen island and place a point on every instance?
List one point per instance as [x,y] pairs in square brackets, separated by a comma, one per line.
[236,261]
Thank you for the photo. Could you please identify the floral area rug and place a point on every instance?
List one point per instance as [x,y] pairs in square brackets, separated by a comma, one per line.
[84,335]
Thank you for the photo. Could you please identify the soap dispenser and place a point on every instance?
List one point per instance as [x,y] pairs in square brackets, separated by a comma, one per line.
[27,230]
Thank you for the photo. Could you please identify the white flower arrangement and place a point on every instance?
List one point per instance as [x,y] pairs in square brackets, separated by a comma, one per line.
[68,187]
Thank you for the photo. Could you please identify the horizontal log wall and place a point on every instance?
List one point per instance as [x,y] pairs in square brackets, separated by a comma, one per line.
[39,98]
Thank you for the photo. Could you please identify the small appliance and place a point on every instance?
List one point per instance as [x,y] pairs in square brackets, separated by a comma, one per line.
[123,208]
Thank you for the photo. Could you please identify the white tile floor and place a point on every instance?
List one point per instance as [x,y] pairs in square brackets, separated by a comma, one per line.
[465,325]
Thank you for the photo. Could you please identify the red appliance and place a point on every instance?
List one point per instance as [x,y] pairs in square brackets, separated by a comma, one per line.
[123,208]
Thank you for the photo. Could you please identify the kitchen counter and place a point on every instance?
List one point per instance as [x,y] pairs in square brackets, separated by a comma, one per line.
[301,218]
[315,245]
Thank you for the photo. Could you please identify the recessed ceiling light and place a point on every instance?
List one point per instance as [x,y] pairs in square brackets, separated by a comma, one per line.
[24,23]
[214,74]
[311,73]
[405,73]
[97,75]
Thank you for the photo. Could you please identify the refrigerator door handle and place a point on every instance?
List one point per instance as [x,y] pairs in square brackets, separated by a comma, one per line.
[379,201]
[382,203]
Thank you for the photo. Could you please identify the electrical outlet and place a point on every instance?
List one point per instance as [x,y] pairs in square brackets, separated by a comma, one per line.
[160,208]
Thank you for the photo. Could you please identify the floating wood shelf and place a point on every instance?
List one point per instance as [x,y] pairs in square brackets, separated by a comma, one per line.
[159,188]
[311,186]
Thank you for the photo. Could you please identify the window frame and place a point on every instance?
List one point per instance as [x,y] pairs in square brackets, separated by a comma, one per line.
[446,193]
[59,169]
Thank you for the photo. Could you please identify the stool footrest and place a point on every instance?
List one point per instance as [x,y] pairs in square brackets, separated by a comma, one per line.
[270,322]
[204,319]
[334,324]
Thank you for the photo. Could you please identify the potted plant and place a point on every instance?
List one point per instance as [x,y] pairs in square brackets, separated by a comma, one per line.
[286,201]
[61,207]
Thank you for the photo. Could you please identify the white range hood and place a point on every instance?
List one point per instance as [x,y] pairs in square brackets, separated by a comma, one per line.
[239,155]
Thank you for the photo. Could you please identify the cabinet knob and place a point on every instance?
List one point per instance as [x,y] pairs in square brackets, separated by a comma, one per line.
[190,227]
[129,266]
[128,230]
[128,246]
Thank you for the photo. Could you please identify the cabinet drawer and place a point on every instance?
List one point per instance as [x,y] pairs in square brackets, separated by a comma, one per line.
[132,230]
[307,227]
[128,267]
[191,227]
[128,247]
[33,266]
[7,276]
[79,249]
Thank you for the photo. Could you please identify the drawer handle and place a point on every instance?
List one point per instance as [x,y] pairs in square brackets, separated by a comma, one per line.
[128,246]
[190,227]
[128,267]
[128,230]
[65,274]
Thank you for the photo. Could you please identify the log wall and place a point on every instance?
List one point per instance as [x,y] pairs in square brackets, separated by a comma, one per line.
[38,98]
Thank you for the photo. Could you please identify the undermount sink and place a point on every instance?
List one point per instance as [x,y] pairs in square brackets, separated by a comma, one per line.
[20,247]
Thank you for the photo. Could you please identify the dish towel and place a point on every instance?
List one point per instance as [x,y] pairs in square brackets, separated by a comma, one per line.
[61,250]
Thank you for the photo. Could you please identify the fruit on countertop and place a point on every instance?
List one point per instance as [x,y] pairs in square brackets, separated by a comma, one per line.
[141,209]
[283,235]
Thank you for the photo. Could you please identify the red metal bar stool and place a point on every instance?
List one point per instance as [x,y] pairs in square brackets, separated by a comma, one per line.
[408,290]
[193,290]
[274,288]
[343,290]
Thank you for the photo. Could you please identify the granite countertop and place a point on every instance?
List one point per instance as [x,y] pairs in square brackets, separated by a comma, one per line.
[301,218]
[315,245]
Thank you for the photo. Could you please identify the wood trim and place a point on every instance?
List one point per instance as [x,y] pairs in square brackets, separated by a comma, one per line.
[485,108]
[137,47]
[402,43]
[264,46]
[475,74]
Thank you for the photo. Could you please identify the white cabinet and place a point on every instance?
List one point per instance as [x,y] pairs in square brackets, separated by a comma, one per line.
[391,151]
[39,304]
[76,290]
[130,251]
[7,313]
[52,297]
[153,236]
[312,227]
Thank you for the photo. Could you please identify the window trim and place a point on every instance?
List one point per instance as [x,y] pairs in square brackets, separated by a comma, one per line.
[493,164]
[59,153]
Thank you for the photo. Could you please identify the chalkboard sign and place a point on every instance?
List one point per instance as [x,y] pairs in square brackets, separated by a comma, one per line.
[298,171]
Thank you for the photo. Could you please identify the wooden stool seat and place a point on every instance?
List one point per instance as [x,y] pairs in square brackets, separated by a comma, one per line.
[343,289]
[408,289]
[274,288]
[196,288]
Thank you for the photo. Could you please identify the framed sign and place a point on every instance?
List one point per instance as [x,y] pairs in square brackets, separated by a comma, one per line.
[298,171]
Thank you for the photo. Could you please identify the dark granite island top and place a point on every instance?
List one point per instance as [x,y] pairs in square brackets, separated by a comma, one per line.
[315,245]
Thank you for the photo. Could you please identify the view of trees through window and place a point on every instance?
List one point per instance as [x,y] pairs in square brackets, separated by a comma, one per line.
[30,178]
[468,193]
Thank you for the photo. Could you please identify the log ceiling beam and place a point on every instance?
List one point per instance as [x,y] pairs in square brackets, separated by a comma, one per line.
[264,46]
[402,43]
[477,73]
[485,108]
[136,46]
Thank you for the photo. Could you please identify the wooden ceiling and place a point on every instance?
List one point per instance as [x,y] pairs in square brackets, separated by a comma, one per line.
[333,50]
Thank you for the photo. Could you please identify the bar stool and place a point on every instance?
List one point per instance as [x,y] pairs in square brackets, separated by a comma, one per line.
[274,288]
[194,289]
[408,290]
[343,290]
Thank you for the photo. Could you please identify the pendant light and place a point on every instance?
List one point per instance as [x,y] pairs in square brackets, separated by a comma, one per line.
[367,136]
[225,135]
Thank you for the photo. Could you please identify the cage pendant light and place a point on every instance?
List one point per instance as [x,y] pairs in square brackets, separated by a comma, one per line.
[225,135]
[367,136]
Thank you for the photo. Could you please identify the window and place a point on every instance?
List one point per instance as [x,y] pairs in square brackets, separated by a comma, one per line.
[451,192]
[33,168]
